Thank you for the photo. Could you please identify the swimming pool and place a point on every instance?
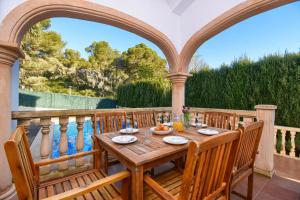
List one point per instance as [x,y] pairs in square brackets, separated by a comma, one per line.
[72,135]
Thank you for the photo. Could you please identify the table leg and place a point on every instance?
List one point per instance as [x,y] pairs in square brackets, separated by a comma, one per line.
[137,175]
[98,160]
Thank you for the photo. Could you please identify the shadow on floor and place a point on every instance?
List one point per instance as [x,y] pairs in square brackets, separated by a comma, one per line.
[277,188]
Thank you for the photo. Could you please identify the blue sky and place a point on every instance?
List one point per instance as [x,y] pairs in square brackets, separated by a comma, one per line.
[274,31]
[79,34]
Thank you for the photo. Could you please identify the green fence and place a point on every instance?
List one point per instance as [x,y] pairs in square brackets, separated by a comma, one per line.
[62,101]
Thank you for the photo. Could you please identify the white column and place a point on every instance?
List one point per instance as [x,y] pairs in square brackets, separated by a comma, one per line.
[264,162]
[8,55]
[178,91]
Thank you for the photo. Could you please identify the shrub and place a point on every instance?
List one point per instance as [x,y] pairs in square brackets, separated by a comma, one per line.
[275,79]
[144,94]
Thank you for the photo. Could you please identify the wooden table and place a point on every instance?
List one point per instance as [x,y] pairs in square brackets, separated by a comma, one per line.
[143,155]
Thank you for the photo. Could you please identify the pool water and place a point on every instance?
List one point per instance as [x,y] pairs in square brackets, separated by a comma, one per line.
[72,135]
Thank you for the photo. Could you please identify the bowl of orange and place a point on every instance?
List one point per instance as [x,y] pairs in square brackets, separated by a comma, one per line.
[161,130]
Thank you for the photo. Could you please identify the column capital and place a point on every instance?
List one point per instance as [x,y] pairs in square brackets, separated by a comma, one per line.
[9,53]
[178,77]
[265,107]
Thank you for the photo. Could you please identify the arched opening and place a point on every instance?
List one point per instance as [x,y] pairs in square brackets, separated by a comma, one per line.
[52,68]
[79,57]
[27,14]
[255,62]
[222,22]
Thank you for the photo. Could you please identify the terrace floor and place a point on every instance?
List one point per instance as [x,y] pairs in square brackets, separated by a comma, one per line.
[285,184]
[277,188]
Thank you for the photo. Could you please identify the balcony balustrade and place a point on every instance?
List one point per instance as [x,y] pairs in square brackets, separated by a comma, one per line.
[63,118]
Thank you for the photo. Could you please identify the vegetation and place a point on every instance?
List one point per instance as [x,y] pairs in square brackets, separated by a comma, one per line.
[49,67]
[144,94]
[273,79]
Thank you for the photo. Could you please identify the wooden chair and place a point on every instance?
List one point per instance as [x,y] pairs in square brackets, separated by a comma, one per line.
[91,184]
[206,174]
[105,123]
[163,116]
[144,119]
[220,120]
[108,122]
[244,164]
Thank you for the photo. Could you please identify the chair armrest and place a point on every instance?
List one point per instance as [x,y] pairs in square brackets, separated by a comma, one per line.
[158,189]
[64,158]
[89,188]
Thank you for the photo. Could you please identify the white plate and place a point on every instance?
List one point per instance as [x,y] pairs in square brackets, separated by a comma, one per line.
[175,140]
[168,123]
[208,131]
[161,132]
[129,130]
[199,125]
[124,139]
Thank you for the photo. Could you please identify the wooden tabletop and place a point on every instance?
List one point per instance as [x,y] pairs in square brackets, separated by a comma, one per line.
[144,151]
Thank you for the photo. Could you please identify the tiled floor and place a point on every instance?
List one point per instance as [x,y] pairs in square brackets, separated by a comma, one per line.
[287,167]
[280,187]
[277,188]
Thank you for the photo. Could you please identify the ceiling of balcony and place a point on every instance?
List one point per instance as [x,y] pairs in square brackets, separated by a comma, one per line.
[179,6]
[177,19]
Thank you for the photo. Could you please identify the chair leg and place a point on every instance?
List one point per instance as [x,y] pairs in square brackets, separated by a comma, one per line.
[125,189]
[179,164]
[106,162]
[152,172]
[250,187]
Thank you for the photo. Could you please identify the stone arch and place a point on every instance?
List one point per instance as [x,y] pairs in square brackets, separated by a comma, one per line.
[229,18]
[20,19]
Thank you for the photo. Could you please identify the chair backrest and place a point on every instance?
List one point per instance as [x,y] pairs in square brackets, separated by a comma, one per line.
[163,116]
[21,164]
[248,145]
[220,120]
[144,118]
[109,122]
[208,167]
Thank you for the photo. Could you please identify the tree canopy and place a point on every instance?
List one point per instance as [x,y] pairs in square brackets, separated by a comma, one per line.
[142,63]
[49,66]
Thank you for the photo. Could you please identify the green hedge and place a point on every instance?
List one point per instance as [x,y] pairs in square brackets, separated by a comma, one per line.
[274,79]
[144,94]
[63,101]
[242,85]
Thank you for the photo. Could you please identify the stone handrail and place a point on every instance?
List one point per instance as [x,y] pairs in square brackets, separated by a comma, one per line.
[292,131]
[18,115]
[243,116]
[242,113]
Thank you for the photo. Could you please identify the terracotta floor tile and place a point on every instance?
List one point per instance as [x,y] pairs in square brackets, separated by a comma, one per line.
[272,191]
[277,188]
[286,183]
[259,183]
[287,167]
